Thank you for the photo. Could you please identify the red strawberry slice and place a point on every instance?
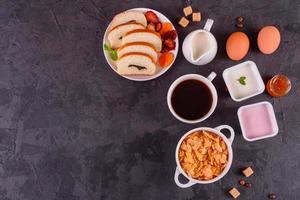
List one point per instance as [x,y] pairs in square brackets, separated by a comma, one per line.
[158,26]
[151,17]
[151,26]
[170,35]
[170,44]
[164,49]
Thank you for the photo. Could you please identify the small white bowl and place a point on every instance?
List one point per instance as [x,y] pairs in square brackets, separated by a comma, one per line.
[260,122]
[228,142]
[254,83]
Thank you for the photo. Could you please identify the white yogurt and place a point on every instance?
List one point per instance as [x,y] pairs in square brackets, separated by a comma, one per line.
[253,81]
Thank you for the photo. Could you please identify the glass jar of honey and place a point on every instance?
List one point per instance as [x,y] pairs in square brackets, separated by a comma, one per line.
[279,85]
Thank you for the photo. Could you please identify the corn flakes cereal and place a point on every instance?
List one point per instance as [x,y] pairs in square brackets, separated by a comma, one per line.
[203,155]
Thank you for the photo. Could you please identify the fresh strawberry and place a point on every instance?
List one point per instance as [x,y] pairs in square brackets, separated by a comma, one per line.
[170,35]
[151,17]
[158,26]
[170,44]
[164,49]
[151,26]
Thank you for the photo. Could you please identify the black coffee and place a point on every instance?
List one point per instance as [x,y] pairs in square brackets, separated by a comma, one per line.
[191,99]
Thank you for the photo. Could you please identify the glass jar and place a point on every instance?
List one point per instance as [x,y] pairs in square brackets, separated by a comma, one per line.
[279,85]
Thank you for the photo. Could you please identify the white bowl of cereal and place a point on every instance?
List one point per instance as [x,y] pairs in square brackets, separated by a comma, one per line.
[203,155]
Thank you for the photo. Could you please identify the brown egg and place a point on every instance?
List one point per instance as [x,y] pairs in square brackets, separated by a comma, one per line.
[237,45]
[268,39]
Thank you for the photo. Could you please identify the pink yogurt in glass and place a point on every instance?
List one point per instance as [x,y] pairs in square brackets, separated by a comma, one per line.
[258,121]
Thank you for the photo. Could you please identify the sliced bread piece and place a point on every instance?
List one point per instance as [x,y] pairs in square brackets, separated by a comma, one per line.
[115,35]
[128,16]
[138,47]
[136,64]
[143,35]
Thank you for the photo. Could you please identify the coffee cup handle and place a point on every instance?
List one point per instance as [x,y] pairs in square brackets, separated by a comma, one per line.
[208,24]
[231,138]
[211,76]
[182,185]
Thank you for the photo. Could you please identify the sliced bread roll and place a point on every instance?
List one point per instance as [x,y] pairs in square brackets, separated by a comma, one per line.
[143,35]
[116,34]
[136,64]
[135,47]
[128,16]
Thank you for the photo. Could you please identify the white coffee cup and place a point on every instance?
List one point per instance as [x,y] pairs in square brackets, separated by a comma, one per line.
[228,142]
[200,46]
[207,81]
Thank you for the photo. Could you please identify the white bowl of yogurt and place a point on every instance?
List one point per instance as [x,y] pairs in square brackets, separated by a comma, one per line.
[257,121]
[243,81]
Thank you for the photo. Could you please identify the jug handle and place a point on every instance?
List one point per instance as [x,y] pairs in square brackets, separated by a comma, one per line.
[208,24]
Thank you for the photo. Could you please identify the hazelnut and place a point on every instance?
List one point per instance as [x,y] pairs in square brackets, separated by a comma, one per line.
[272,196]
[239,25]
[248,185]
[242,182]
[240,19]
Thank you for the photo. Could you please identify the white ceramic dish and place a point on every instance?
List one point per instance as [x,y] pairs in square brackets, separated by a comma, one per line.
[254,83]
[228,142]
[210,85]
[159,71]
[256,121]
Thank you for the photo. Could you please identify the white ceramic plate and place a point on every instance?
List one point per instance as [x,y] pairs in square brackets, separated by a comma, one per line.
[159,71]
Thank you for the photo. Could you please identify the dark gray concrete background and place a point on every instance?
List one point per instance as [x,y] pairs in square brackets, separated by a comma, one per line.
[71,128]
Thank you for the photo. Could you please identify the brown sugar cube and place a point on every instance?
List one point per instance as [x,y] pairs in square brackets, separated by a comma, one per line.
[248,171]
[234,193]
[196,17]
[188,10]
[183,22]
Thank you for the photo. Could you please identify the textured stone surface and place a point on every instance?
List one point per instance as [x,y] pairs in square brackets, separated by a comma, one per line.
[70,128]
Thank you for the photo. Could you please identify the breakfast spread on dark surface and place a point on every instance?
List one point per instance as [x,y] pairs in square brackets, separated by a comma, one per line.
[149,100]
[142,42]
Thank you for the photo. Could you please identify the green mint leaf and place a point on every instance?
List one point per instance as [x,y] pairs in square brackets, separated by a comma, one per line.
[107,48]
[113,55]
[242,80]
